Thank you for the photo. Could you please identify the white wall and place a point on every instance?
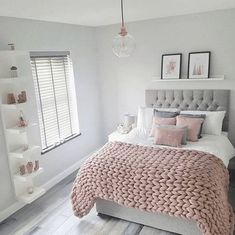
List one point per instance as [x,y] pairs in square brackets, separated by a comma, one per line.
[35,35]
[123,81]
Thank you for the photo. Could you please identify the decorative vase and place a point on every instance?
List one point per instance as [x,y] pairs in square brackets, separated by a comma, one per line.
[21,122]
[22,98]
[22,169]
[11,98]
[29,167]
[36,165]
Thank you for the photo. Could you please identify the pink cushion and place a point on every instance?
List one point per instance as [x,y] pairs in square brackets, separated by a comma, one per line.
[193,124]
[161,121]
[167,136]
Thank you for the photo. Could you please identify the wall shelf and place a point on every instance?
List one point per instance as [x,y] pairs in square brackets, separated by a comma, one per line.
[215,78]
[8,80]
[28,198]
[19,130]
[28,176]
[14,106]
[21,154]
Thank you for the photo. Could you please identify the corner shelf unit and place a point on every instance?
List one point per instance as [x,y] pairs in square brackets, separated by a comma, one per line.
[17,137]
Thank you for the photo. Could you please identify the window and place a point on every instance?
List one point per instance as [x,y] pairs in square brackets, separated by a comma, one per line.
[55,96]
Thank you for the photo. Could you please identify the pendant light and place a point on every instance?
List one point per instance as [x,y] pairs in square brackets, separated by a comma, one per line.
[123,43]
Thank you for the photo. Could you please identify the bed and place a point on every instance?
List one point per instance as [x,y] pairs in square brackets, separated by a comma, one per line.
[220,146]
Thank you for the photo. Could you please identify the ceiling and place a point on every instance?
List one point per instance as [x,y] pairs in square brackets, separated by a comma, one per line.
[105,12]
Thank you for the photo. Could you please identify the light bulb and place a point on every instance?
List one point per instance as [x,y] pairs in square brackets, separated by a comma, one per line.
[123,45]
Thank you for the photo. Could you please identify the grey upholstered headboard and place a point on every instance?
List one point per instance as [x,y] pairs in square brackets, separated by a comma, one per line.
[210,100]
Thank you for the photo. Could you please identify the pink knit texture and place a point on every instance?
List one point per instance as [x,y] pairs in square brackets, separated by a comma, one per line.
[182,183]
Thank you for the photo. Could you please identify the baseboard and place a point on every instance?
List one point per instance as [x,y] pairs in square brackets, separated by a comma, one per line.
[11,210]
[52,182]
[55,180]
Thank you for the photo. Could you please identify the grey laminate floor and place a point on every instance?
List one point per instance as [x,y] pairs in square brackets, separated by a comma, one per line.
[52,214]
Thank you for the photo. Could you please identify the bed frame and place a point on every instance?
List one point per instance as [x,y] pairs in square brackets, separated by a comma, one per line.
[210,100]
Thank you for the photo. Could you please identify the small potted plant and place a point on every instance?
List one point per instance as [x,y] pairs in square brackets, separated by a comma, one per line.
[12,46]
[14,71]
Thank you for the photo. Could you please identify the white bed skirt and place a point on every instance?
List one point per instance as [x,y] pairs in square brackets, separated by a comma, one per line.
[155,220]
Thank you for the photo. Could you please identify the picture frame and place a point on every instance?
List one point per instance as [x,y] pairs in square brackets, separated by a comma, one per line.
[199,65]
[171,66]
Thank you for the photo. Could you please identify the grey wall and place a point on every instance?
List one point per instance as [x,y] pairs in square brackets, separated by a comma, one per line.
[120,86]
[35,35]
[123,81]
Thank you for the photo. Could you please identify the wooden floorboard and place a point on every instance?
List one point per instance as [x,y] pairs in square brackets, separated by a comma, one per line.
[52,215]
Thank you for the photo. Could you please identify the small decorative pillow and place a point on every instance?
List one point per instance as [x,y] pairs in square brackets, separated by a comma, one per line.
[196,116]
[161,121]
[169,137]
[193,124]
[184,128]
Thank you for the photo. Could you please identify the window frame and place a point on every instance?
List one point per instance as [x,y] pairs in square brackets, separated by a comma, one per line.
[61,143]
[54,54]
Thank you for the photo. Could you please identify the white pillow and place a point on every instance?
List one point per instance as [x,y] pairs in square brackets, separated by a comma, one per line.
[144,119]
[213,123]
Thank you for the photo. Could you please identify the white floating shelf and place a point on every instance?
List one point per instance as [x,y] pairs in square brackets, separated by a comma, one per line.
[19,153]
[28,198]
[216,78]
[14,106]
[13,52]
[8,80]
[15,136]
[19,130]
[28,176]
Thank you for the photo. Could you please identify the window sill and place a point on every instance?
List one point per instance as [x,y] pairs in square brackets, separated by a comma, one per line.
[44,151]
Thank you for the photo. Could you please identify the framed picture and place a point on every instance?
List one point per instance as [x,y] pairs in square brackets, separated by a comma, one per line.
[199,64]
[171,66]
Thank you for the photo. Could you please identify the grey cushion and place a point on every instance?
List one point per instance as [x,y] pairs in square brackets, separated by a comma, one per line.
[165,114]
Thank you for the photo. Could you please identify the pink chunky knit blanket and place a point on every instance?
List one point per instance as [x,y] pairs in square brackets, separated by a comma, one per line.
[182,183]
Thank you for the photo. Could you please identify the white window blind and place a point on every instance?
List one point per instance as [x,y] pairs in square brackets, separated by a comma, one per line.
[55,95]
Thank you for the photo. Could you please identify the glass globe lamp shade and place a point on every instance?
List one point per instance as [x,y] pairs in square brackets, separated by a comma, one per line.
[123,45]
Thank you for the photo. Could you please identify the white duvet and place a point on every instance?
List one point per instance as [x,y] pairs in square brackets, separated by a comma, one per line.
[219,146]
